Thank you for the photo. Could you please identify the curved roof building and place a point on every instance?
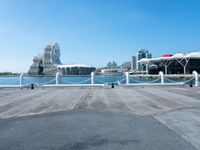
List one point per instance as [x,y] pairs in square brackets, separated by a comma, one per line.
[75,69]
[174,64]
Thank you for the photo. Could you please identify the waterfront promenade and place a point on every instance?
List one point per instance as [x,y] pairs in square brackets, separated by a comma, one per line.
[100,118]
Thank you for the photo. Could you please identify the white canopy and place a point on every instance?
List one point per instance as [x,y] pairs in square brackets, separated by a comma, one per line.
[195,55]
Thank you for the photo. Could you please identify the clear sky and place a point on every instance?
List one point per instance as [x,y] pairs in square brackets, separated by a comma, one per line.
[94,32]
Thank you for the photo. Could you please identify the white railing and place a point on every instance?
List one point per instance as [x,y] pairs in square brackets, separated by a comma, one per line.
[138,81]
[173,81]
[92,80]
[45,83]
[162,80]
[69,83]
[196,78]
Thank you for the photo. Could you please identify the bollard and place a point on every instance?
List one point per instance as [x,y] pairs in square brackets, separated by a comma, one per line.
[196,78]
[57,78]
[162,77]
[112,85]
[191,84]
[32,86]
[92,77]
[127,77]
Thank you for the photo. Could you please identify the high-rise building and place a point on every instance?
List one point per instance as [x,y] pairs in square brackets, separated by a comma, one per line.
[112,65]
[45,63]
[133,63]
[142,53]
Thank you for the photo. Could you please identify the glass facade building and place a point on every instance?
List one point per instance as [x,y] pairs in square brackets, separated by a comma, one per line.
[142,53]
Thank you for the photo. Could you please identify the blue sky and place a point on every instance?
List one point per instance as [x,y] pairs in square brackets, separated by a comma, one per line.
[95,31]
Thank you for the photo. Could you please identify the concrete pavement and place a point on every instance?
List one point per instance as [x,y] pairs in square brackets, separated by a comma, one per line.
[98,118]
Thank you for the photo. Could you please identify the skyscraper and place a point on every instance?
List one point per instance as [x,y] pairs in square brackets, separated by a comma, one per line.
[112,65]
[133,63]
[142,53]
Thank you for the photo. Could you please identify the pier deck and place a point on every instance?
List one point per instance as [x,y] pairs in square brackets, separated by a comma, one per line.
[100,118]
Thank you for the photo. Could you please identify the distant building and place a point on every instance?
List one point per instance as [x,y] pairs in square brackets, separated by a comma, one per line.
[76,69]
[111,69]
[126,66]
[45,64]
[142,53]
[49,63]
[109,72]
[133,63]
[174,64]
[112,65]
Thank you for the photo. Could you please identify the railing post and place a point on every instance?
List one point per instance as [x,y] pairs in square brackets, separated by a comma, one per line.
[196,78]
[92,77]
[21,78]
[161,77]
[57,78]
[127,77]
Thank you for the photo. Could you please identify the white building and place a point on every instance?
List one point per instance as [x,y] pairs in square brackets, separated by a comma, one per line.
[49,63]
[116,71]
[174,64]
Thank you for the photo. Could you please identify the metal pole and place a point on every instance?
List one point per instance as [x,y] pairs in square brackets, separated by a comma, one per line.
[57,78]
[162,77]
[165,69]
[127,77]
[147,68]
[21,79]
[196,78]
[184,69]
[92,77]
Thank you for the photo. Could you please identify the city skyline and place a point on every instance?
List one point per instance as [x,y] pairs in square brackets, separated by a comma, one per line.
[95,32]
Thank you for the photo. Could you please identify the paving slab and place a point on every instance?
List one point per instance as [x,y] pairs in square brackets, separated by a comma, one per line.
[88,130]
[138,100]
[184,122]
[30,102]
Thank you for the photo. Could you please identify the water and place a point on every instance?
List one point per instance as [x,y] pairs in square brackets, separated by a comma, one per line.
[87,80]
